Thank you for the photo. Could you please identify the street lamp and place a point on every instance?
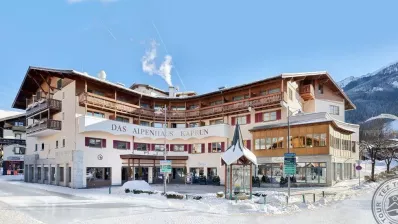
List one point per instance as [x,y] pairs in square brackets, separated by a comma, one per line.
[288,138]
[160,111]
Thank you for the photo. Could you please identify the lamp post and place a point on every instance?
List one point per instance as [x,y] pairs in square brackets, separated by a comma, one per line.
[288,143]
[160,111]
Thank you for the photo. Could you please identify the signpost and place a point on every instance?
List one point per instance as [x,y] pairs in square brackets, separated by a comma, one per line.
[165,166]
[359,168]
[289,165]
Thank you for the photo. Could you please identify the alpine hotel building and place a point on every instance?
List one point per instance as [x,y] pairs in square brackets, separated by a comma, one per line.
[85,131]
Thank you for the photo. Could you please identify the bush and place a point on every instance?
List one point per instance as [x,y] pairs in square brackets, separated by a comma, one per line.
[127,190]
[216,180]
[197,197]
[220,194]
[142,192]
[174,196]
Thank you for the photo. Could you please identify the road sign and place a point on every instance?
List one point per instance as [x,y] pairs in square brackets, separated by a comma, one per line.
[358,167]
[289,165]
[165,166]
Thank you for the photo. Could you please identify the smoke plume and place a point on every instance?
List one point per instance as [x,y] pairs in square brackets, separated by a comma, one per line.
[149,64]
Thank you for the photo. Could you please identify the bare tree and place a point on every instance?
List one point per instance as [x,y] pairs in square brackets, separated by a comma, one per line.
[375,143]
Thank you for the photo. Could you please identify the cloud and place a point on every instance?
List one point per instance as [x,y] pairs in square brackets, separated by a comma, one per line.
[149,64]
[79,1]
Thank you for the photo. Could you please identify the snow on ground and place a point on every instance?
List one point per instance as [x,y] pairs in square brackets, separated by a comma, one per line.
[137,185]
[12,177]
[276,203]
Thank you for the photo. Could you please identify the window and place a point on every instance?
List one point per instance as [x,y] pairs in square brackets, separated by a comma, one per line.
[18,136]
[309,142]
[241,120]
[320,88]
[178,148]
[96,114]
[42,146]
[144,105]
[298,141]
[59,84]
[219,121]
[280,142]
[63,143]
[36,147]
[334,110]
[274,143]
[259,144]
[96,92]
[323,140]
[196,148]
[145,123]
[193,107]
[122,119]
[121,145]
[159,147]
[56,144]
[216,147]
[236,98]
[317,140]
[178,108]
[180,125]
[290,94]
[19,151]
[271,116]
[141,147]
[157,125]
[61,174]
[263,92]
[276,90]
[353,146]
[95,142]
[19,124]
[192,125]
[217,102]
[268,143]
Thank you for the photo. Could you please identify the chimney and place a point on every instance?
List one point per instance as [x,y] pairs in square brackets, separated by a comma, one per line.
[102,75]
[171,91]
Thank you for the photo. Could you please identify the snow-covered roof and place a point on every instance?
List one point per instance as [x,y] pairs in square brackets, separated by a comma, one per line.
[7,115]
[237,150]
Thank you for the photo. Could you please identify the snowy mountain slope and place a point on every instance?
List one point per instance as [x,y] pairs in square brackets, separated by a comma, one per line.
[373,94]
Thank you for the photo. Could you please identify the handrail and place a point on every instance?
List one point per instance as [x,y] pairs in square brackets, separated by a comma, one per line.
[48,103]
[43,125]
[181,114]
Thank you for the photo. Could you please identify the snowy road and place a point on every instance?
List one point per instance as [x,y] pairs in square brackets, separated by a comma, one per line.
[19,203]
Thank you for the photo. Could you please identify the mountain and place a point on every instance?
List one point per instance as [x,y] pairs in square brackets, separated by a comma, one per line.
[374,93]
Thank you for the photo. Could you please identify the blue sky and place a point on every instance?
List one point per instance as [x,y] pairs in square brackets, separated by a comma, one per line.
[212,43]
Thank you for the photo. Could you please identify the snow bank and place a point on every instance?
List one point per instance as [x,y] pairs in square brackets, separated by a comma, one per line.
[137,185]
[11,177]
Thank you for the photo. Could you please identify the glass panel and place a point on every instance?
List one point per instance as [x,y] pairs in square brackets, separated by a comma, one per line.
[322,176]
[274,143]
[196,148]
[277,172]
[301,173]
[309,140]
[216,147]
[313,171]
[178,148]
[323,140]
[317,140]
[268,143]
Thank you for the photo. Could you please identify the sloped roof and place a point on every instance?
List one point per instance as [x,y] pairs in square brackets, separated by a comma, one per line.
[237,150]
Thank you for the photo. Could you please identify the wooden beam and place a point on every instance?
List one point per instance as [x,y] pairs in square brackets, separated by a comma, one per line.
[36,83]
[49,84]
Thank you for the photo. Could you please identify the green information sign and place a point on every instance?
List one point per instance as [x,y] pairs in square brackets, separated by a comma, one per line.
[289,165]
[165,166]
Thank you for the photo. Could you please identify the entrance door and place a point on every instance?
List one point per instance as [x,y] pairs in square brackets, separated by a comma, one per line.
[177,175]
[124,174]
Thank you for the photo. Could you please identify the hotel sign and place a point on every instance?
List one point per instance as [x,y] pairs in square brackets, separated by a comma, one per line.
[90,124]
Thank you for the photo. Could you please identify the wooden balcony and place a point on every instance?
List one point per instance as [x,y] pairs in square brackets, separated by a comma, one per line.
[44,127]
[44,104]
[307,92]
[259,102]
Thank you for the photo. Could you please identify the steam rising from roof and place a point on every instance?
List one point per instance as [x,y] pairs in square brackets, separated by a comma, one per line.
[149,64]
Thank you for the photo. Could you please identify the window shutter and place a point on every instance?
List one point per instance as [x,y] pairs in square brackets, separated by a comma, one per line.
[203,148]
[278,114]
[167,147]
[148,147]
[248,119]
[259,117]
[135,145]
[249,144]
[114,144]
[209,148]
[185,148]
[190,148]
[153,147]
[171,147]
[112,117]
[128,145]
[103,143]
[222,146]
[233,120]
[87,140]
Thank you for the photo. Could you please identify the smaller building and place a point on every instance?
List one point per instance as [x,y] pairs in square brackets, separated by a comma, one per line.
[13,144]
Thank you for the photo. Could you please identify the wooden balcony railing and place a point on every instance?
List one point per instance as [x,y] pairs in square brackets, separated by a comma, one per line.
[44,125]
[307,92]
[226,108]
[43,104]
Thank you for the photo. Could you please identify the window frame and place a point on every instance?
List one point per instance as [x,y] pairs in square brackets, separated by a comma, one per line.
[333,111]
[194,150]
[117,142]
[95,146]
[122,119]
[216,147]
[178,146]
